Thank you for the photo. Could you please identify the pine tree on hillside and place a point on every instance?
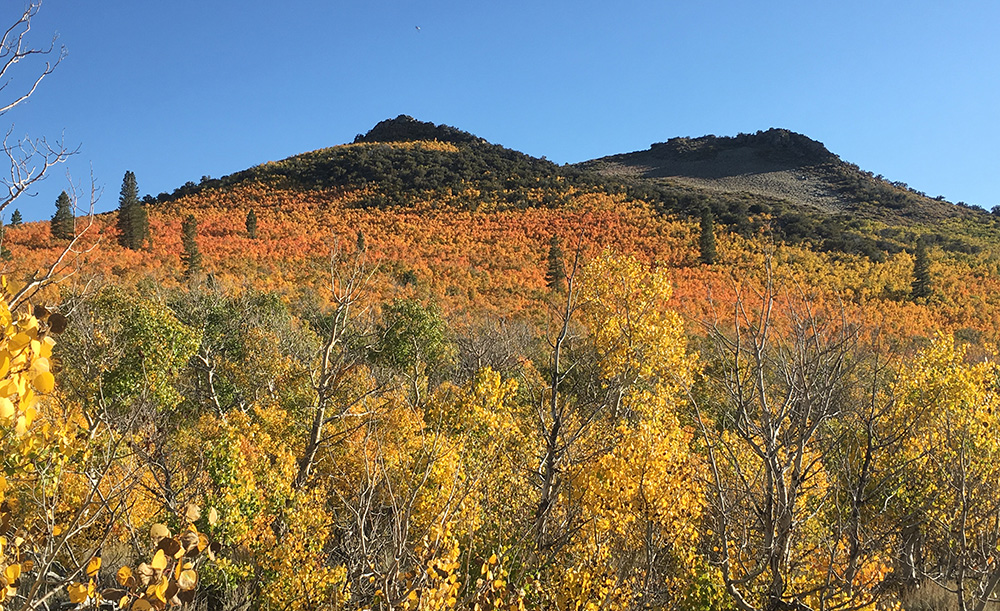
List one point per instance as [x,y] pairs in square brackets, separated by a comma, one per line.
[133,220]
[15,218]
[251,224]
[191,257]
[63,223]
[127,201]
[555,274]
[706,239]
[359,244]
[921,286]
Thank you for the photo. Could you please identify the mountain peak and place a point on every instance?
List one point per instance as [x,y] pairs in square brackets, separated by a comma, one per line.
[776,164]
[405,128]
[773,144]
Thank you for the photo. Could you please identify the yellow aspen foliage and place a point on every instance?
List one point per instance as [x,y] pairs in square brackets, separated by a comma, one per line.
[249,468]
[170,577]
[300,578]
[639,495]
[65,484]
[953,464]
[278,536]
[436,587]
[490,427]
[637,335]
[430,145]
[26,435]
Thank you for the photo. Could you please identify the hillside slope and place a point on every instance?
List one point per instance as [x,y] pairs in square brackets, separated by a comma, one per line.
[777,164]
[777,182]
[401,159]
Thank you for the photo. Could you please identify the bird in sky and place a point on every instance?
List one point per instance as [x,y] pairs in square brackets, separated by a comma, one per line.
[418,27]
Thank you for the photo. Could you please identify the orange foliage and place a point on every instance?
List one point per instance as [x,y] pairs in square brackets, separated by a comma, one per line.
[493,262]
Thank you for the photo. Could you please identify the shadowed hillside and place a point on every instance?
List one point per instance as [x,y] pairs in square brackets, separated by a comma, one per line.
[779,164]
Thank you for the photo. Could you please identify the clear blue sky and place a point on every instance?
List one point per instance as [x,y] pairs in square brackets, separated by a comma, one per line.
[176,90]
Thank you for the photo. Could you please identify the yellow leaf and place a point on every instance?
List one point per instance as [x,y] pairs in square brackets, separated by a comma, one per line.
[44,382]
[123,575]
[93,566]
[78,592]
[39,365]
[18,342]
[159,590]
[213,516]
[47,345]
[8,388]
[159,560]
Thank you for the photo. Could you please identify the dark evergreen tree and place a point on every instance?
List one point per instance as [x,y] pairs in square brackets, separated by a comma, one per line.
[63,223]
[127,201]
[706,239]
[921,286]
[359,245]
[15,218]
[191,257]
[555,274]
[133,220]
[251,224]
